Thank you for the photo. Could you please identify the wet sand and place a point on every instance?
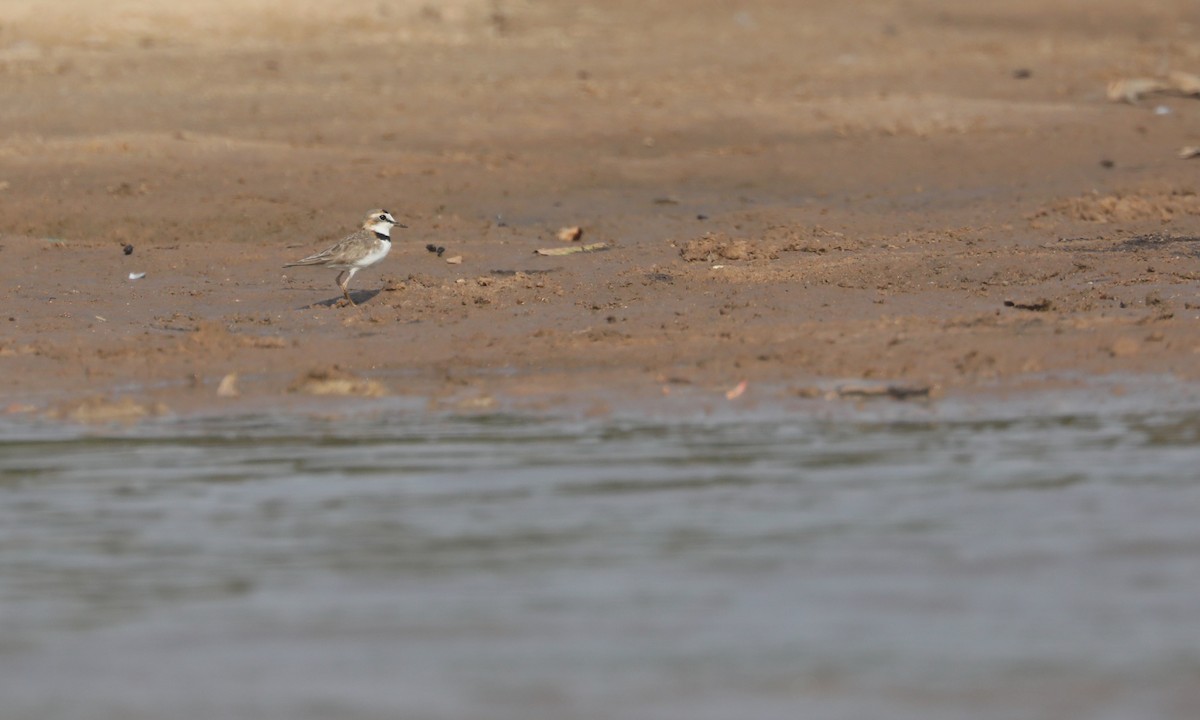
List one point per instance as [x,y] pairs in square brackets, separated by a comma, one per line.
[922,193]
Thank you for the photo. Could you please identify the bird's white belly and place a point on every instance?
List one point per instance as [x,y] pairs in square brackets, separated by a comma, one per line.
[380,252]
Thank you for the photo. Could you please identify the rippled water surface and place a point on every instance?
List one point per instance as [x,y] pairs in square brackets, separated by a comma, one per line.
[923,564]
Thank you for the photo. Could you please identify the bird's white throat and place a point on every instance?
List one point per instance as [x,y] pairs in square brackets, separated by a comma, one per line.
[382,228]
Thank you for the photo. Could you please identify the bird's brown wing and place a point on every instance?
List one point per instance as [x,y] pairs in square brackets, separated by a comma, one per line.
[349,249]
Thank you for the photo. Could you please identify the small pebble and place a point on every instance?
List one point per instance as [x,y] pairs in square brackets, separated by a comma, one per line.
[128,249]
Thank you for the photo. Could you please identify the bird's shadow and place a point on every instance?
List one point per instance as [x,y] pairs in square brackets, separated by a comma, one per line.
[358,296]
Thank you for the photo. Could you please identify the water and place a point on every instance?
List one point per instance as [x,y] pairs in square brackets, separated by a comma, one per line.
[894,562]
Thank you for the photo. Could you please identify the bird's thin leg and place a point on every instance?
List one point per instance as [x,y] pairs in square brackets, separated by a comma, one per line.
[343,281]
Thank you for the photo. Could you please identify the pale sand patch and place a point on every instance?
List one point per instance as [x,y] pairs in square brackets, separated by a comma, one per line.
[202,22]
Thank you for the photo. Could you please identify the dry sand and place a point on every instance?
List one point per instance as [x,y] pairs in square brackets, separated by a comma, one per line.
[928,192]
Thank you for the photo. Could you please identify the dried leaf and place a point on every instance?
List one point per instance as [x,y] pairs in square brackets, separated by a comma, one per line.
[736,391]
[593,247]
[228,387]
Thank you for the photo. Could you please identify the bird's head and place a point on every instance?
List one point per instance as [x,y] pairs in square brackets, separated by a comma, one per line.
[380,221]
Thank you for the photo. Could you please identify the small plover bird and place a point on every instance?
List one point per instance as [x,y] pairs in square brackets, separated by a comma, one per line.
[363,248]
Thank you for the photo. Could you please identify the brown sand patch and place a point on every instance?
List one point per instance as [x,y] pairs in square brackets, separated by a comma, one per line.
[874,204]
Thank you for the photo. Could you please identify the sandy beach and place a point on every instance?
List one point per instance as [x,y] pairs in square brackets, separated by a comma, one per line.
[928,194]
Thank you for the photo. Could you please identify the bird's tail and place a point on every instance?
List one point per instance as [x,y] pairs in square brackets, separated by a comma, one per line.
[315,260]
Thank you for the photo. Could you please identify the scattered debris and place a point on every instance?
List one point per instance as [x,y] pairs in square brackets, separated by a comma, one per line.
[1162,110]
[1128,207]
[128,249]
[1189,151]
[716,246]
[593,247]
[1184,83]
[333,380]
[478,403]
[888,390]
[570,234]
[137,276]
[1107,164]
[1130,90]
[736,391]
[269,342]
[1041,305]
[228,387]
[435,249]
[100,410]
[456,260]
[666,200]
[1022,74]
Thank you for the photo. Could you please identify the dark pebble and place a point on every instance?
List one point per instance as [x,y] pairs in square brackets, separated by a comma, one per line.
[128,249]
